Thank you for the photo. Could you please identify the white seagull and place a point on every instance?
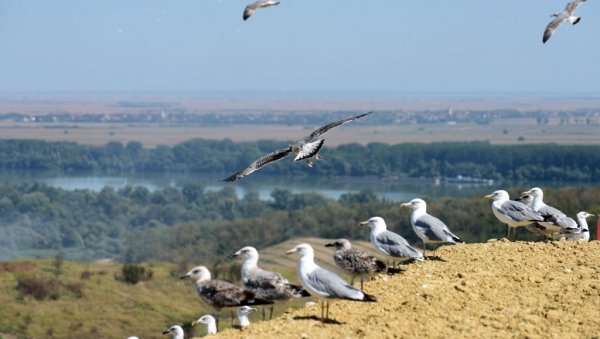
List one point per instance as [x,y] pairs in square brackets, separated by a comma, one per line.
[304,150]
[427,227]
[176,331]
[580,233]
[242,315]
[390,243]
[322,283]
[561,18]
[513,213]
[251,8]
[554,220]
[209,321]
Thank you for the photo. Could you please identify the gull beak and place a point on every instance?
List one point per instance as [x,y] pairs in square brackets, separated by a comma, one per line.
[329,245]
[488,197]
[290,251]
[194,323]
[185,276]
[253,310]
[234,255]
[165,332]
[592,215]
[406,204]
[526,193]
[363,223]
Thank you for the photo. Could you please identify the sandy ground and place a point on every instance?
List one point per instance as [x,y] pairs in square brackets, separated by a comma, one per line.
[495,290]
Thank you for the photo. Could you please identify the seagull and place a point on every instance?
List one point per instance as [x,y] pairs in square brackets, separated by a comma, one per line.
[561,18]
[390,243]
[580,233]
[534,228]
[554,220]
[304,150]
[242,315]
[354,261]
[513,213]
[219,293]
[176,331]
[209,321]
[256,5]
[427,227]
[322,283]
[264,284]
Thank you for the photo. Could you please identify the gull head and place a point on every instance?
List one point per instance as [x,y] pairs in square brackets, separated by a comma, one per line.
[174,330]
[246,253]
[526,199]
[340,244]
[536,193]
[584,215]
[415,204]
[205,319]
[375,223]
[245,310]
[198,273]
[499,195]
[303,249]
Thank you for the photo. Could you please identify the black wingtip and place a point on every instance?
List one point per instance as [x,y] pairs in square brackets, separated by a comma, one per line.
[369,298]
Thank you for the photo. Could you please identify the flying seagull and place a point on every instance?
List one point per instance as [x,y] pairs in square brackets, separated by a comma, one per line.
[513,213]
[304,150]
[355,262]
[264,284]
[322,283]
[427,227]
[176,331]
[256,5]
[209,321]
[390,243]
[561,18]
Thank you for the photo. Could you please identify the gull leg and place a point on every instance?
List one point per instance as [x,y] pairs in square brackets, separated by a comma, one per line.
[327,312]
[352,281]
[318,156]
[271,313]
[217,321]
[322,311]
[361,283]
[424,247]
[263,312]
[309,163]
[232,316]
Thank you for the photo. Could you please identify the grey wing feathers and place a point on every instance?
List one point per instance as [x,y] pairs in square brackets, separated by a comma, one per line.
[396,245]
[256,165]
[572,6]
[331,285]
[322,130]
[435,229]
[551,211]
[519,212]
[552,26]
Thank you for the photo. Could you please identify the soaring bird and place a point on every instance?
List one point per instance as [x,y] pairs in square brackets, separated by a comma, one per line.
[390,243]
[322,283]
[264,284]
[561,18]
[304,150]
[256,5]
[513,213]
[209,321]
[427,227]
[355,262]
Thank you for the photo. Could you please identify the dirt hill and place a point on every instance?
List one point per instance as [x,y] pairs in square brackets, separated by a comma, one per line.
[496,289]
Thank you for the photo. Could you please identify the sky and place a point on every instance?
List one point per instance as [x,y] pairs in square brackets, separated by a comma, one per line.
[474,46]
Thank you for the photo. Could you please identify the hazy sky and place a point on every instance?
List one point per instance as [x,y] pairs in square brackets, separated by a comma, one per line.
[391,45]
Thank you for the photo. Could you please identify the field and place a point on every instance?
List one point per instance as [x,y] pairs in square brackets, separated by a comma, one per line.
[507,131]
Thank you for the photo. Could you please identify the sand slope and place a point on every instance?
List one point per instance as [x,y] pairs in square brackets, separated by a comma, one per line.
[496,289]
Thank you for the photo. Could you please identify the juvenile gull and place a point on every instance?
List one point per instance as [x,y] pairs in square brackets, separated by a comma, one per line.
[355,262]
[209,321]
[561,18]
[304,150]
[176,331]
[427,227]
[251,8]
[322,283]
[390,243]
[573,234]
[242,315]
[264,284]
[513,213]
[554,220]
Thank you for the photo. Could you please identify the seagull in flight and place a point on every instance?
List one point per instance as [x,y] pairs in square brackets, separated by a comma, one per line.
[251,8]
[561,18]
[304,149]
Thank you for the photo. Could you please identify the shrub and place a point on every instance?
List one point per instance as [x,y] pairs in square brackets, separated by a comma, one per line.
[39,288]
[132,273]
[85,275]
[75,288]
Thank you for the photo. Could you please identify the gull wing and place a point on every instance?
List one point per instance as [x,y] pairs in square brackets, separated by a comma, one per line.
[251,8]
[322,130]
[435,229]
[552,26]
[572,6]
[256,165]
[519,212]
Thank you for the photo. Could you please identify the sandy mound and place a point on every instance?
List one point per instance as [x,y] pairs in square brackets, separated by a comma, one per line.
[497,289]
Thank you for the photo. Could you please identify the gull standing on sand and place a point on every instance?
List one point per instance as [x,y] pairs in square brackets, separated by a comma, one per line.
[355,262]
[512,213]
[176,331]
[390,243]
[264,284]
[322,283]
[554,220]
[251,8]
[209,321]
[580,233]
[427,227]
[304,150]
[242,315]
[561,18]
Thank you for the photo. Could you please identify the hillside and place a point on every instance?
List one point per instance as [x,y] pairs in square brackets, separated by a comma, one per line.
[495,289]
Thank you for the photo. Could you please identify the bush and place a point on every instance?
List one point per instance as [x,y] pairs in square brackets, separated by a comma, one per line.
[132,274]
[39,288]
[75,288]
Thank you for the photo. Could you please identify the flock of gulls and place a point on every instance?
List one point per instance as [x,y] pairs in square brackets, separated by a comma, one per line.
[260,287]
[559,18]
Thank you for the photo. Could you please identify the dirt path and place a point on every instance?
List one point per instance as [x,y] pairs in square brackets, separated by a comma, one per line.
[498,289]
